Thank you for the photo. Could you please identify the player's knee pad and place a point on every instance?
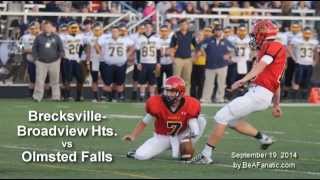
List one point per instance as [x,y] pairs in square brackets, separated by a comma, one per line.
[224,116]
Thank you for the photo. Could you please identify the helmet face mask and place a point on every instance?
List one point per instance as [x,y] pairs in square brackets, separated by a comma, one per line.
[262,30]
[252,42]
[171,96]
[174,90]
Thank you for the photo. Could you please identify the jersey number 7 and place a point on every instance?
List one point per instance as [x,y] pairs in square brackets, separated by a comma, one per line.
[175,127]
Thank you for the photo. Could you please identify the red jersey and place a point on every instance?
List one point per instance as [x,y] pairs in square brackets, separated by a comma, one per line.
[168,122]
[270,77]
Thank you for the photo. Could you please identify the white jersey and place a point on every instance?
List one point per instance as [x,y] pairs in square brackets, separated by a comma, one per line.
[72,46]
[164,49]
[27,42]
[283,38]
[148,48]
[95,58]
[290,36]
[85,37]
[304,50]
[114,52]
[242,53]
[134,37]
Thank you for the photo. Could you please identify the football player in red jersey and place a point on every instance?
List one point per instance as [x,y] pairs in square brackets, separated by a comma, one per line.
[175,117]
[265,77]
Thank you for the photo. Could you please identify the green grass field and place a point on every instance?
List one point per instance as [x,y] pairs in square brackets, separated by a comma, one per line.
[298,131]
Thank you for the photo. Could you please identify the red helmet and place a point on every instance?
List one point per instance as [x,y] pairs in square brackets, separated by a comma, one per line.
[174,84]
[262,30]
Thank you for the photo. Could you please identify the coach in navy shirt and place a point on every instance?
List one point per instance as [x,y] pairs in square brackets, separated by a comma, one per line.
[181,46]
[218,53]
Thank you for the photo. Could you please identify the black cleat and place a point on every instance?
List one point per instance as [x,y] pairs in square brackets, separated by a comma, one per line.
[131,154]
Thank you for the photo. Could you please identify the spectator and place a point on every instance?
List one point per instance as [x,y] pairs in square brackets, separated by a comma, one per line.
[234,11]
[262,4]
[79,4]
[148,60]
[247,5]
[204,9]
[65,19]
[163,7]
[190,8]
[47,51]
[199,66]
[302,6]
[103,9]
[173,7]
[227,32]
[166,59]
[316,5]
[27,41]
[305,55]
[239,66]
[168,23]
[51,6]
[217,52]
[295,32]
[35,9]
[286,10]
[150,8]
[181,44]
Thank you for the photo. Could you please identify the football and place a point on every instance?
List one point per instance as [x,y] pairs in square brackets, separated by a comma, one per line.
[186,149]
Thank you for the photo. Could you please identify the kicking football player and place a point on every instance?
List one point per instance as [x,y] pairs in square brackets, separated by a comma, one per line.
[71,64]
[114,52]
[148,60]
[95,58]
[265,90]
[175,117]
[304,51]
[27,42]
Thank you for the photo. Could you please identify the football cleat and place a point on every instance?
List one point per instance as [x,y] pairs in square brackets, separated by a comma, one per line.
[266,142]
[131,154]
[200,159]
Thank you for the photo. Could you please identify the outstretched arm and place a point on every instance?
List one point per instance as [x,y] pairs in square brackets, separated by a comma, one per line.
[139,128]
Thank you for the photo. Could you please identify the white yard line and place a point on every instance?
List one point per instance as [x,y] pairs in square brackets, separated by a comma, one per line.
[162,160]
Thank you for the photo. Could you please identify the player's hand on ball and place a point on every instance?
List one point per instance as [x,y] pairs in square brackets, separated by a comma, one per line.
[128,137]
[276,111]
[237,84]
